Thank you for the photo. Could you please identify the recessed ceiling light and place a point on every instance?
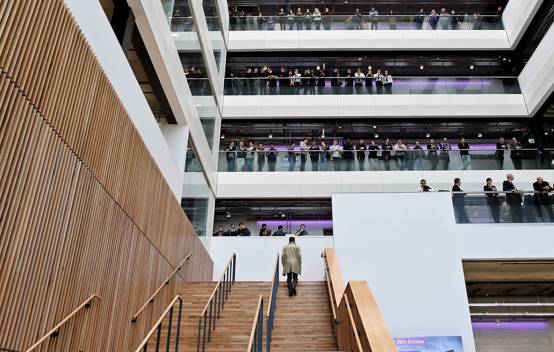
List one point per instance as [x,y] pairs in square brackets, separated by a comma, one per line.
[376,135]
[428,135]
[479,135]
[471,67]
[421,67]
[270,136]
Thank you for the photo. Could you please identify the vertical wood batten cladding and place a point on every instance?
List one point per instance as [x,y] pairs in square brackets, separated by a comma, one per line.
[83,207]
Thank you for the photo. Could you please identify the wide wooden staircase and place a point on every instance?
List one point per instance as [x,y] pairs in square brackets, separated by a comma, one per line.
[260,316]
[302,322]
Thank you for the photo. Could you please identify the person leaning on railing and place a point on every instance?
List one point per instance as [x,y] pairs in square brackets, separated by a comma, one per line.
[492,199]
[542,197]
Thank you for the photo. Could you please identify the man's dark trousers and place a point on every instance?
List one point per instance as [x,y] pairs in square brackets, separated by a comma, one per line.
[292,281]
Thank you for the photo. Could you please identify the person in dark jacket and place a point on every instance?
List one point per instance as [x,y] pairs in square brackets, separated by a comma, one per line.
[542,199]
[348,154]
[501,146]
[220,231]
[272,157]
[279,231]
[513,198]
[243,230]
[314,155]
[492,199]
[231,156]
[232,231]
[419,19]
[265,231]
[458,199]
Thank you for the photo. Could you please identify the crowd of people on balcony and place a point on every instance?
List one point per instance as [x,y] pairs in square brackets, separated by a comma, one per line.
[263,80]
[265,231]
[318,19]
[243,155]
[539,201]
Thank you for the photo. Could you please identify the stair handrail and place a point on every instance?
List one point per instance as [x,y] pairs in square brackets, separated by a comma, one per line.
[219,294]
[334,281]
[157,327]
[165,282]
[367,326]
[255,343]
[55,330]
[352,322]
[272,304]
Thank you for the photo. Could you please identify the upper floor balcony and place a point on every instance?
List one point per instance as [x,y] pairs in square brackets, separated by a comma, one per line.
[403,29]
[341,97]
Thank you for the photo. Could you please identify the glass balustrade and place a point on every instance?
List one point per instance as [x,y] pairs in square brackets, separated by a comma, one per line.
[503,207]
[365,22]
[378,160]
[291,85]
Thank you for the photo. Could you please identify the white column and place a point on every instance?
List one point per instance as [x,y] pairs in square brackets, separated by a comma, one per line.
[517,16]
[536,80]
[176,137]
[153,27]
[96,28]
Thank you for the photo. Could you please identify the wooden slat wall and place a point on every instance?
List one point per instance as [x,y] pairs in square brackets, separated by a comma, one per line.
[83,207]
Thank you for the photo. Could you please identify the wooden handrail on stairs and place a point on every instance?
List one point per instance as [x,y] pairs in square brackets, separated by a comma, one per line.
[359,324]
[55,330]
[165,282]
[255,343]
[216,302]
[158,328]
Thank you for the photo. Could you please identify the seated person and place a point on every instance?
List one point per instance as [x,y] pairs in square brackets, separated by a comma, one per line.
[220,231]
[243,231]
[302,231]
[279,231]
[265,231]
[232,231]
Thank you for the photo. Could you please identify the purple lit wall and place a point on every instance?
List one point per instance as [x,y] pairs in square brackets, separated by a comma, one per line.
[296,223]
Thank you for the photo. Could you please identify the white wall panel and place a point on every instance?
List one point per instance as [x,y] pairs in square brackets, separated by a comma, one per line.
[523,241]
[368,40]
[256,256]
[397,105]
[414,272]
[311,184]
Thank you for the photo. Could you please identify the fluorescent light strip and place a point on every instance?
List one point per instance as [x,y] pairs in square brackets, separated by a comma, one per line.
[538,304]
[512,314]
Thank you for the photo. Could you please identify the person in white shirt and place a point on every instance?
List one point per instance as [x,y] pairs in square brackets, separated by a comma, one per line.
[400,151]
[378,81]
[317,18]
[303,154]
[336,151]
[359,75]
[387,82]
[297,78]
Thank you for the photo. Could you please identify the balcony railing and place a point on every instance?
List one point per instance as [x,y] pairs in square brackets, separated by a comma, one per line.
[344,22]
[379,160]
[503,207]
[350,85]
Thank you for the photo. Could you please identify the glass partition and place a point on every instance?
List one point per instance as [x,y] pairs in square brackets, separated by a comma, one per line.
[358,21]
[245,159]
[351,85]
[504,207]
[196,192]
